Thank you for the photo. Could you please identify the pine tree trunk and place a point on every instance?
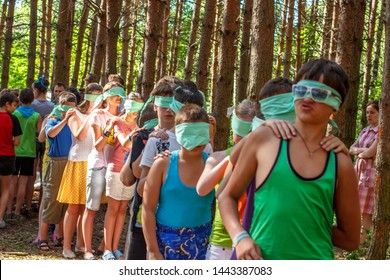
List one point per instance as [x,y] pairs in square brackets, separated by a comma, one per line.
[215,63]
[381,219]
[368,63]
[326,31]
[49,10]
[245,51]
[80,40]
[176,38]
[155,10]
[43,39]
[335,31]
[163,48]
[125,38]
[225,85]
[312,32]
[100,44]
[113,20]
[205,46]
[2,21]
[378,48]
[301,10]
[192,41]
[7,44]
[261,53]
[32,48]
[289,39]
[349,55]
[130,77]
[283,28]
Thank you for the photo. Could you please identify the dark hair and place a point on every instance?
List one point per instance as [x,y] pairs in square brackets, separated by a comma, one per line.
[373,103]
[75,92]
[147,114]
[166,85]
[331,73]
[190,84]
[7,97]
[274,87]
[188,95]
[67,96]
[60,84]
[246,108]
[191,113]
[84,105]
[26,96]
[111,85]
[90,78]
[41,85]
[116,78]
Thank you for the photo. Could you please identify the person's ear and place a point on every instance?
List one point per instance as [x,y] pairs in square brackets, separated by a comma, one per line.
[155,108]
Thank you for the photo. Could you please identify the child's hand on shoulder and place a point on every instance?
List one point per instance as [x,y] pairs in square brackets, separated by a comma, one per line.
[165,154]
[159,133]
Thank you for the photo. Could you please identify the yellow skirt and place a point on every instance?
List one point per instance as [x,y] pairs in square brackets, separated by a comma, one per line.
[73,186]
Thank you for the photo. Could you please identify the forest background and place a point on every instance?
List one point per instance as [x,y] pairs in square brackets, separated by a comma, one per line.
[229,48]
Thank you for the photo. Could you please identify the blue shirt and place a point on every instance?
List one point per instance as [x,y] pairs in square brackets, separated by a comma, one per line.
[180,205]
[59,146]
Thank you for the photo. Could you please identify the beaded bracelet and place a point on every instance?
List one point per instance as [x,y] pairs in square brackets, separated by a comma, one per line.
[240,236]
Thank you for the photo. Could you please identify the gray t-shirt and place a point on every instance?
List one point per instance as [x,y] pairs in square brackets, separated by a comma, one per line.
[43,107]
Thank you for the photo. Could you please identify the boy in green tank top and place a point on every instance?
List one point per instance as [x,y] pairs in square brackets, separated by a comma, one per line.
[299,185]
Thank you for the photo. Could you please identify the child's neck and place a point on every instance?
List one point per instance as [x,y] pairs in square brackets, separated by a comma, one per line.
[186,156]
[112,110]
[168,126]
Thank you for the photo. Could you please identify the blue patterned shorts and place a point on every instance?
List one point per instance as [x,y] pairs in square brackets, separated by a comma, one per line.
[183,243]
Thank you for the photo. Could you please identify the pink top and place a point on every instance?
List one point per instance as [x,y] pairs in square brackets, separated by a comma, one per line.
[116,161]
[365,167]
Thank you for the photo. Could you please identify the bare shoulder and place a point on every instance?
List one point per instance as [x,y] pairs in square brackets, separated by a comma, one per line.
[161,163]
[216,157]
[260,135]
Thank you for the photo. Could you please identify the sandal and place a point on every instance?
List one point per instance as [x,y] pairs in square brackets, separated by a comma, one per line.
[37,240]
[108,255]
[57,241]
[118,255]
[43,245]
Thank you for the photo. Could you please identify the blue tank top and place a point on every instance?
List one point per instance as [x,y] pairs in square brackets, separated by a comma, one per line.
[180,205]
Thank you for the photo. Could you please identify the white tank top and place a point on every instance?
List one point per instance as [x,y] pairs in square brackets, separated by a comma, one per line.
[81,149]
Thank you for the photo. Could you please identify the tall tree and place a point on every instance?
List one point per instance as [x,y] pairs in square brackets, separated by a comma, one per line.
[368,62]
[154,14]
[301,9]
[125,38]
[43,39]
[2,20]
[80,42]
[225,84]
[349,55]
[163,47]
[205,45]
[327,29]
[48,20]
[192,41]
[100,46]
[381,219]
[32,47]
[335,29]
[283,28]
[134,29]
[113,20]
[7,43]
[261,40]
[176,30]
[289,39]
[245,50]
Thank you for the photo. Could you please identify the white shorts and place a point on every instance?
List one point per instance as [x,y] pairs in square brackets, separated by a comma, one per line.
[215,252]
[115,188]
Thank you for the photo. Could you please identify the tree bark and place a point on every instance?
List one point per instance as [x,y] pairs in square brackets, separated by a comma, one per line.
[2,21]
[130,77]
[176,38]
[163,47]
[154,14]
[125,38]
[245,51]
[100,45]
[7,44]
[113,20]
[349,55]
[326,31]
[261,52]
[80,40]
[205,46]
[43,39]
[283,28]
[300,18]
[49,11]
[32,47]
[289,39]
[335,31]
[192,41]
[368,62]
[381,218]
[225,83]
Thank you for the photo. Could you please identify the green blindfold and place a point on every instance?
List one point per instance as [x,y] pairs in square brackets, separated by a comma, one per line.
[116,91]
[91,97]
[192,135]
[150,124]
[132,106]
[175,105]
[59,109]
[256,122]
[163,101]
[239,126]
[280,107]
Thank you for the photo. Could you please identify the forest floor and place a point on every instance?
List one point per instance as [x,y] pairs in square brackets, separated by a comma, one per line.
[16,241]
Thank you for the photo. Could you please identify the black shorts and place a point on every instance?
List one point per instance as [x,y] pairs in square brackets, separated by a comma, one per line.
[24,166]
[7,165]
[41,146]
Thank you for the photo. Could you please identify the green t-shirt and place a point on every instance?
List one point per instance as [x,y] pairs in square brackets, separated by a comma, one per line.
[27,146]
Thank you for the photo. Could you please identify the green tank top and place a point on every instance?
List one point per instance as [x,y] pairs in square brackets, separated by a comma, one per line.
[27,146]
[219,235]
[293,216]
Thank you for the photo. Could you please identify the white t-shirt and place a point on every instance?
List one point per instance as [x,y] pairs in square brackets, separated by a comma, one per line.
[100,159]
[80,150]
[155,146]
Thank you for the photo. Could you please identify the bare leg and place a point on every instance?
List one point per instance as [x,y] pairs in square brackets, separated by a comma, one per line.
[109,222]
[70,222]
[119,223]
[5,187]
[22,185]
[88,220]
[12,191]
[80,238]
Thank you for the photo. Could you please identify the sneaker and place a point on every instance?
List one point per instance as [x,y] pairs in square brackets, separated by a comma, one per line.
[9,217]
[68,254]
[2,224]
[89,256]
